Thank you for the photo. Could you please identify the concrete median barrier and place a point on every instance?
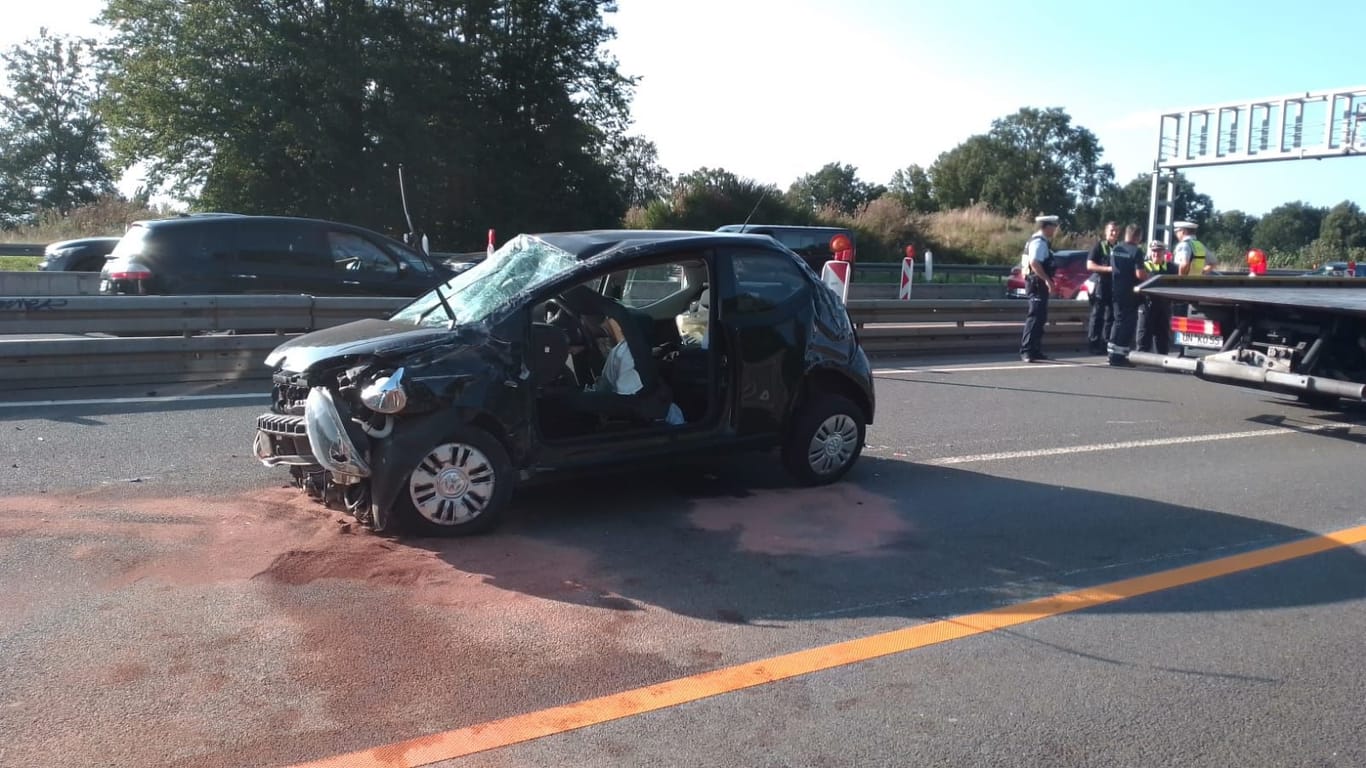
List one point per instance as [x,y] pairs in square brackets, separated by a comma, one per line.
[49,283]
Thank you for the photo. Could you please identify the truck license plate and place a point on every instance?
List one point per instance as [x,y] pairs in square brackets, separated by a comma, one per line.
[1201,340]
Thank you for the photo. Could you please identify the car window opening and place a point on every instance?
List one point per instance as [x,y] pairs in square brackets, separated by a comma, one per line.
[626,351]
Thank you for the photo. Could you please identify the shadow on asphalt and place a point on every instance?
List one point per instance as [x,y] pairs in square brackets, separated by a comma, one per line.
[734,542]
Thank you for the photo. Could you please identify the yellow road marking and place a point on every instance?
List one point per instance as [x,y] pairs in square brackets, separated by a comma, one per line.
[461,742]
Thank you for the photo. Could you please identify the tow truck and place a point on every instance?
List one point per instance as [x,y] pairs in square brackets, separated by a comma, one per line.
[1303,336]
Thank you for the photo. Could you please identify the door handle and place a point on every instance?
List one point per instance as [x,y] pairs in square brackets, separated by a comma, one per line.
[249,277]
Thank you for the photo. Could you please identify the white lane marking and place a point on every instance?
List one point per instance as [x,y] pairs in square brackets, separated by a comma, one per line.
[128,400]
[979,368]
[1159,441]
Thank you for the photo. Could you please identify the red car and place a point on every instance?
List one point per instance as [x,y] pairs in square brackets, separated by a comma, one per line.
[1068,281]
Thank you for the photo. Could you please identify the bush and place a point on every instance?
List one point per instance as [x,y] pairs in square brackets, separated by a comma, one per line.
[1320,252]
[884,227]
[978,235]
[107,217]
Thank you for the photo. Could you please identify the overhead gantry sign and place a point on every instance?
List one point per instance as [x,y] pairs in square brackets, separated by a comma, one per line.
[1309,125]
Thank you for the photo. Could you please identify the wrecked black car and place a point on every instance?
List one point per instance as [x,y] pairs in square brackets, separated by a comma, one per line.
[563,352]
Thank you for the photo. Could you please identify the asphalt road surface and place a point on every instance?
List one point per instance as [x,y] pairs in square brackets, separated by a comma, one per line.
[1034,565]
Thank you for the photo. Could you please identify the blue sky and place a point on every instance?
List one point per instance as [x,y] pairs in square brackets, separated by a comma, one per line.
[772,89]
[757,87]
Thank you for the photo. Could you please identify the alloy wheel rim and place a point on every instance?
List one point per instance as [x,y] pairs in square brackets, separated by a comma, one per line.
[453,484]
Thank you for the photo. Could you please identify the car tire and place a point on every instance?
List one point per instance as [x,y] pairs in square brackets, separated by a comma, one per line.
[825,439]
[457,488]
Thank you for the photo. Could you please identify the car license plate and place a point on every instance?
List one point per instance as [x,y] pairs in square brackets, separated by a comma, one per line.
[1201,340]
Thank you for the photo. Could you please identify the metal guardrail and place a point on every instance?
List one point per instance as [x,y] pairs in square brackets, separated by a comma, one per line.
[894,267]
[186,315]
[160,339]
[21,249]
[888,328]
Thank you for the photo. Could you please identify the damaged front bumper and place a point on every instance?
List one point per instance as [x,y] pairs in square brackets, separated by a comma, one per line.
[318,438]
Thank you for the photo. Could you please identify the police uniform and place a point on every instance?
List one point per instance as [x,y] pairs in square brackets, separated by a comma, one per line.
[1155,314]
[1191,251]
[1102,316]
[1037,249]
[1126,260]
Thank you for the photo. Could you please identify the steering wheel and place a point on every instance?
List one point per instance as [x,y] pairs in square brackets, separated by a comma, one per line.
[561,310]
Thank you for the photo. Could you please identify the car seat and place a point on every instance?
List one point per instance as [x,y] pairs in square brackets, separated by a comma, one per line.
[651,403]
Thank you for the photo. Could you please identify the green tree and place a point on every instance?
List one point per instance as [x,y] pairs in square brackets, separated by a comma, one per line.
[912,188]
[971,173]
[707,198]
[52,146]
[1130,203]
[635,164]
[1091,216]
[1289,227]
[1032,161]
[1232,231]
[1344,227]
[836,187]
[505,113]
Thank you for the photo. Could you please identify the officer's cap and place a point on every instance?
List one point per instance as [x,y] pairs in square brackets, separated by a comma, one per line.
[1157,245]
[1046,220]
[1185,225]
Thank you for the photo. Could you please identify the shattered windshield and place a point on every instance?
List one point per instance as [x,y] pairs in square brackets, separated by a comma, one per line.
[471,296]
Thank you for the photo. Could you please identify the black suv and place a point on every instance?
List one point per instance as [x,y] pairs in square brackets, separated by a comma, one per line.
[813,244]
[234,254]
[570,351]
[84,255]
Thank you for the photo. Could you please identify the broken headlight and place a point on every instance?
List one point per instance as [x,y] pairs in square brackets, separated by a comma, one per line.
[385,394]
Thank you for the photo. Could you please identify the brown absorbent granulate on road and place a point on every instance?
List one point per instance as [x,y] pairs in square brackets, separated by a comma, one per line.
[266,633]
[834,520]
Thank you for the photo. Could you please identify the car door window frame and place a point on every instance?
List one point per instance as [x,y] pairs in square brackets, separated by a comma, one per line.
[581,447]
[731,312]
[331,237]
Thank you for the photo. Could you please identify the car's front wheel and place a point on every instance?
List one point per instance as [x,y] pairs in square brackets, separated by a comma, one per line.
[825,440]
[457,488]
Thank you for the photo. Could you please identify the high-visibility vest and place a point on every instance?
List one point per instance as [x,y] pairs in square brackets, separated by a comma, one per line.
[1197,257]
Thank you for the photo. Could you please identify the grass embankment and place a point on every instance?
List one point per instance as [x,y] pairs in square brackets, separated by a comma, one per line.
[19,263]
[107,217]
[965,236]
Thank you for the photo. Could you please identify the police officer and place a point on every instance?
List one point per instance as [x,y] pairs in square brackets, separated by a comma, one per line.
[1038,256]
[1155,313]
[1191,255]
[1102,316]
[1126,263]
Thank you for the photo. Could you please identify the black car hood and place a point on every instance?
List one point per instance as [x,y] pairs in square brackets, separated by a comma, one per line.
[362,337]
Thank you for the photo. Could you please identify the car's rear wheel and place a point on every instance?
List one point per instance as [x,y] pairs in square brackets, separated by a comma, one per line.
[457,488]
[825,440]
